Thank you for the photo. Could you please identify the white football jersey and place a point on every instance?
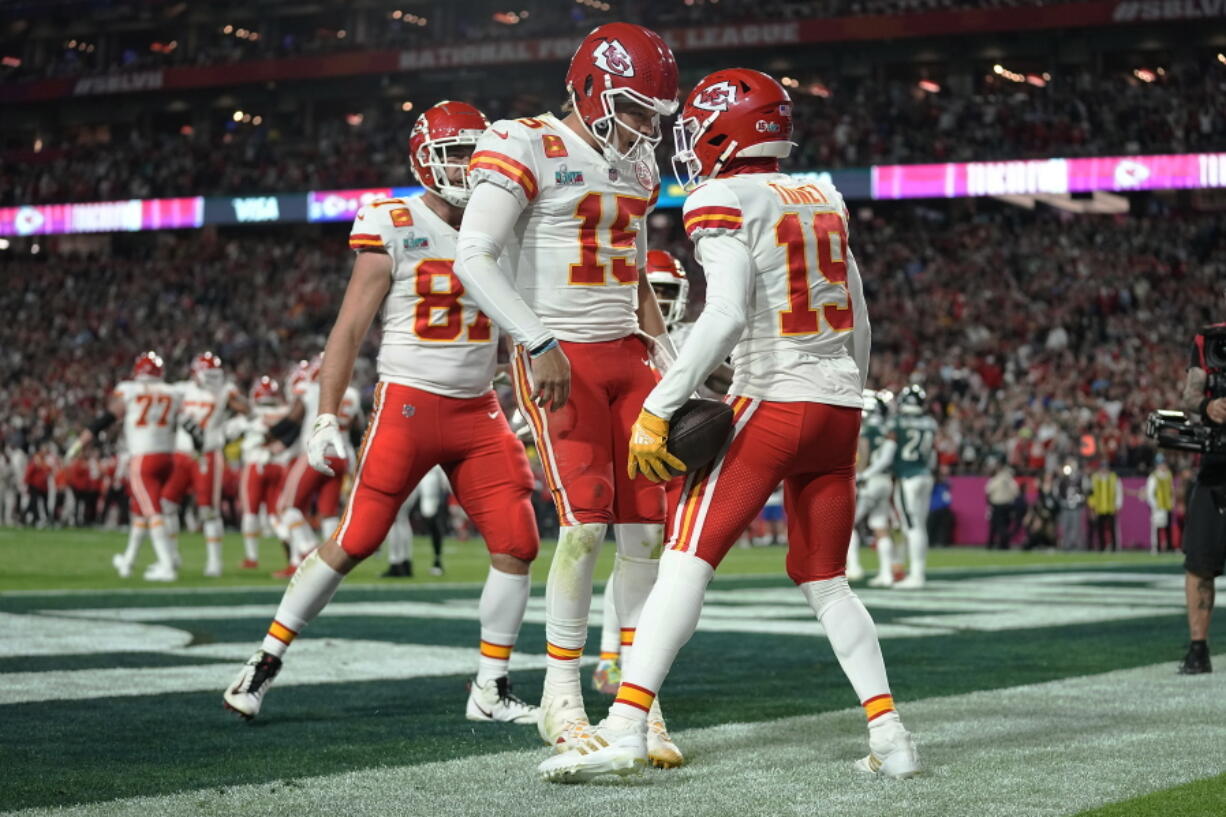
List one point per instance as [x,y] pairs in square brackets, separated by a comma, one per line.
[150,415]
[796,346]
[434,336]
[581,235]
[210,409]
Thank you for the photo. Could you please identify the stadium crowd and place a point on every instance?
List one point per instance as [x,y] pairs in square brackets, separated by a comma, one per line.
[858,122]
[330,33]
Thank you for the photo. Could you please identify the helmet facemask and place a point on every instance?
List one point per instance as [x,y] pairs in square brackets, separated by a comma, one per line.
[671,296]
[687,167]
[442,158]
[606,128]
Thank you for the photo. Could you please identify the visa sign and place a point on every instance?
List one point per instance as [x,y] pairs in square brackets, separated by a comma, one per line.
[256,208]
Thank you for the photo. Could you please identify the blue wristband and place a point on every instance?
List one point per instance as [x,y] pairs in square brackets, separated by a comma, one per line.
[543,348]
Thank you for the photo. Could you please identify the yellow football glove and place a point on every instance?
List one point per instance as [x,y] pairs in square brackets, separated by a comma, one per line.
[648,452]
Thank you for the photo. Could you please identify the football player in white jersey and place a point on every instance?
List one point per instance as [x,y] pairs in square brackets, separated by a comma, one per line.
[784,297]
[565,202]
[149,408]
[434,405]
[303,486]
[208,400]
[262,475]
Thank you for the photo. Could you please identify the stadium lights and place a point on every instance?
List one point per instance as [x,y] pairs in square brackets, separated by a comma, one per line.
[1144,74]
[1000,71]
[354,119]
[238,116]
[599,5]
[340,35]
[1036,80]
[411,18]
[789,82]
[929,86]
[4,244]
[11,62]
[257,120]
[406,106]
[35,249]
[1221,58]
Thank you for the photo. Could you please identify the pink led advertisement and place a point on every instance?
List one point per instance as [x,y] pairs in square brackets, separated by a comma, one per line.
[102,217]
[1039,176]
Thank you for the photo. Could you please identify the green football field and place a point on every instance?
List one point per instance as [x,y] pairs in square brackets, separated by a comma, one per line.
[1036,684]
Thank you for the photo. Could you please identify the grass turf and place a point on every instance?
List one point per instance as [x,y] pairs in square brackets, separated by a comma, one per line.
[81,560]
[1200,798]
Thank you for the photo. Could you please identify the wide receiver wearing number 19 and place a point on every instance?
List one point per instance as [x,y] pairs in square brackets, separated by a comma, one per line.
[784,296]
[434,405]
[565,201]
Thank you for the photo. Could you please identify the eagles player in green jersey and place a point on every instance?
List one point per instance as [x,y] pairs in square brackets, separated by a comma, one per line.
[874,462]
[914,431]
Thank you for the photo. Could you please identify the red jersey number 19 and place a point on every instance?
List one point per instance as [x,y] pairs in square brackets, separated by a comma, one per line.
[828,238]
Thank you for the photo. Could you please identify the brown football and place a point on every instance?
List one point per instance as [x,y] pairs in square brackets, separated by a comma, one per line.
[698,431]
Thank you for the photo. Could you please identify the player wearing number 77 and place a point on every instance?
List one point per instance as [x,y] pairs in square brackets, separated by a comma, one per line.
[784,297]
[434,405]
[566,202]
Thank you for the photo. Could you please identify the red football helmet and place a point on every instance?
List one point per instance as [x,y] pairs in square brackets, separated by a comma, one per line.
[265,390]
[206,369]
[616,62]
[148,364]
[668,280]
[442,140]
[736,113]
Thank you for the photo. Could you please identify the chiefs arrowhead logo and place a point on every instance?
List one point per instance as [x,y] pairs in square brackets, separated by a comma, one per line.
[612,57]
[716,97]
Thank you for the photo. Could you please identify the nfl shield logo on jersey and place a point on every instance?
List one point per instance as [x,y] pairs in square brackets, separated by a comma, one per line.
[408,410]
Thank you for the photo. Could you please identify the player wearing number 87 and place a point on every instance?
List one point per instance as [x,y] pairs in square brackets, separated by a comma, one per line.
[784,297]
[566,202]
[434,405]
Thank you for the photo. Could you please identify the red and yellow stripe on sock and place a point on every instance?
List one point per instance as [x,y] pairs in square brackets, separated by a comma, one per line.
[282,633]
[609,656]
[635,696]
[877,706]
[562,653]
[499,652]
[627,637]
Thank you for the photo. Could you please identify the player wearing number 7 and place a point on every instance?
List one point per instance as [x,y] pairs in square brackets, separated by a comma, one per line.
[784,297]
[566,202]
[434,405]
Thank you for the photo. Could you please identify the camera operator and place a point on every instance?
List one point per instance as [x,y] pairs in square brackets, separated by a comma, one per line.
[1204,541]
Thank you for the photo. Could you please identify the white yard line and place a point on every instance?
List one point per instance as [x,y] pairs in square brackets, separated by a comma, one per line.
[1042,750]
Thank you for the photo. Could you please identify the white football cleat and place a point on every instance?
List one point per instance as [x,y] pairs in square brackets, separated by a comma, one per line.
[245,695]
[212,571]
[910,583]
[158,572]
[603,751]
[496,703]
[881,581]
[121,565]
[891,754]
[661,750]
[562,721]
